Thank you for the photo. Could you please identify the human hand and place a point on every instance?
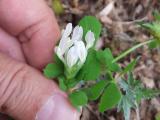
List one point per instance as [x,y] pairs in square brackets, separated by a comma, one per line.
[28,33]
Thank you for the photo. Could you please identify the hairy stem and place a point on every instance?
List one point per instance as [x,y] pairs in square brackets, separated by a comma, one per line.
[122,55]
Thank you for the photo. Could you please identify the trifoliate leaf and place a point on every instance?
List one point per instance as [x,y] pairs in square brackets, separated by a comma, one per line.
[78,98]
[110,97]
[91,23]
[91,68]
[96,90]
[52,70]
[105,57]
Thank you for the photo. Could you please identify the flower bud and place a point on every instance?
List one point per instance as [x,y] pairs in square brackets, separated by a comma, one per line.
[77,33]
[90,39]
[71,57]
[81,51]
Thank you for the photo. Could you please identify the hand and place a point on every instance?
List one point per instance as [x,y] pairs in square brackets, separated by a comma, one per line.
[28,33]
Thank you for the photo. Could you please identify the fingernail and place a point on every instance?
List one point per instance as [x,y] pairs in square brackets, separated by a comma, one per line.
[57,108]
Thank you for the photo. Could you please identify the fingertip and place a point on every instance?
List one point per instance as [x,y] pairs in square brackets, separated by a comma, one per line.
[57,108]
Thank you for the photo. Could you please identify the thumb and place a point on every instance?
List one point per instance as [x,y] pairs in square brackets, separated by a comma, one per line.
[35,26]
[26,95]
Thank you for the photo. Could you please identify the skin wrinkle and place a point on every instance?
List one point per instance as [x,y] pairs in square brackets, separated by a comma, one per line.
[23,98]
[26,94]
[10,72]
[4,74]
[28,32]
[14,88]
[23,38]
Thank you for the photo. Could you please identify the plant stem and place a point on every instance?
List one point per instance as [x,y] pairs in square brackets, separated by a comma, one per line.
[137,112]
[122,55]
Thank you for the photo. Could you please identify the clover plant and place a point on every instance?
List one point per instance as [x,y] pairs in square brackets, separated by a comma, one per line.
[87,74]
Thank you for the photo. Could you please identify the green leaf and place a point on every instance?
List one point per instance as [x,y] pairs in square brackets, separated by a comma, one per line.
[130,66]
[96,90]
[158,116]
[71,83]
[146,94]
[125,105]
[156,15]
[91,68]
[52,70]
[62,84]
[55,69]
[78,98]
[110,97]
[154,44]
[105,57]
[153,28]
[58,61]
[134,92]
[91,23]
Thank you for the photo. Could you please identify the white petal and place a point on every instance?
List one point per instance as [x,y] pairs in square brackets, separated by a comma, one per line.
[81,50]
[71,57]
[65,44]
[90,39]
[77,33]
[59,53]
[66,33]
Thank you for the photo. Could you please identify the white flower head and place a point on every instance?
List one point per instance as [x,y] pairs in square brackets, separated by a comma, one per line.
[72,49]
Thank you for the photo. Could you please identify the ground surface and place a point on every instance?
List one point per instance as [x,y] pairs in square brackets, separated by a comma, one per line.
[120,33]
